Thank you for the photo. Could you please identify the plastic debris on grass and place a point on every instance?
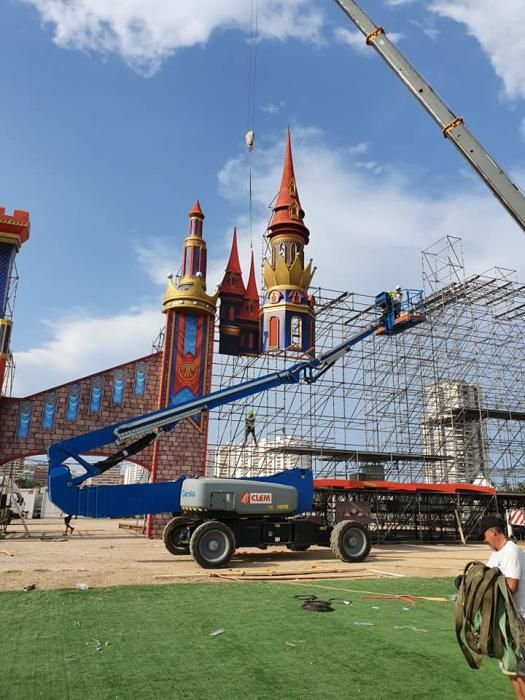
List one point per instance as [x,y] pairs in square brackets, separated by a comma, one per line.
[82,586]
[98,644]
[364,623]
[295,642]
[409,627]
[216,633]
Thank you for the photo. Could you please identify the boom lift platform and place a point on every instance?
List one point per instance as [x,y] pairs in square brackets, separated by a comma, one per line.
[214,516]
[397,320]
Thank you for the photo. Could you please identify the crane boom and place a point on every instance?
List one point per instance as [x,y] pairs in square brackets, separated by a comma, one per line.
[451,125]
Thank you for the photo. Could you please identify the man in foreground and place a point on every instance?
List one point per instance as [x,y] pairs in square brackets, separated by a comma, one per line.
[510,560]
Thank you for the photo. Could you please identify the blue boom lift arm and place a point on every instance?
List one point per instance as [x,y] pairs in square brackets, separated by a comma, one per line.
[164,497]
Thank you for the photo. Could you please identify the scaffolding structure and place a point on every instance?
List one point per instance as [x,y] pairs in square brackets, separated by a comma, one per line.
[442,402]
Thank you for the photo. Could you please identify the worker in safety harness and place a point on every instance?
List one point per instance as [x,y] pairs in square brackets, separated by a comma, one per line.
[249,428]
[510,560]
[397,299]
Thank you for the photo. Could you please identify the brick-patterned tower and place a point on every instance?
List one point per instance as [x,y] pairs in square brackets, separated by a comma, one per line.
[187,362]
[287,316]
[14,231]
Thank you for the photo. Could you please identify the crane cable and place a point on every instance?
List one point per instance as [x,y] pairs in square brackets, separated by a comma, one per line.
[252,75]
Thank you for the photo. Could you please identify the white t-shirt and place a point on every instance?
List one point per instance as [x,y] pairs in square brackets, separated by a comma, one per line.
[510,560]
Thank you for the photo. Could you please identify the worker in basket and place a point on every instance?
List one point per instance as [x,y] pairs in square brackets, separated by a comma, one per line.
[397,299]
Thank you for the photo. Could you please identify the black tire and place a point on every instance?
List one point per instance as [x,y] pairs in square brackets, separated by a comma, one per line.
[176,535]
[298,547]
[212,544]
[350,541]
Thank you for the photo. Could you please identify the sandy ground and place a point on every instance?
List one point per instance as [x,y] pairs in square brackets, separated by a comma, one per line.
[102,553]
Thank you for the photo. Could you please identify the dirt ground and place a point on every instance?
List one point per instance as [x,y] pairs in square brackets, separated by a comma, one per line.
[104,553]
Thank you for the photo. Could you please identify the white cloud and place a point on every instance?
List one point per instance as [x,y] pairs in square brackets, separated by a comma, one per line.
[85,344]
[428,27]
[396,3]
[499,30]
[352,37]
[359,148]
[147,33]
[158,257]
[273,108]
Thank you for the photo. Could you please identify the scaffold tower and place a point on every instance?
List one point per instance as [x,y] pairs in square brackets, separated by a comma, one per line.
[443,402]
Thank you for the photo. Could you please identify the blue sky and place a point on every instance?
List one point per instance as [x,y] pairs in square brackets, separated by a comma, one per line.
[118,115]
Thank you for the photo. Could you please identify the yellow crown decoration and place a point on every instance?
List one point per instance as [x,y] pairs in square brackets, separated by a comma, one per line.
[189,294]
[284,277]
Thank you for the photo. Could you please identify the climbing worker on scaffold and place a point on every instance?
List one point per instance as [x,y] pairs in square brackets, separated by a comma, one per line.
[249,428]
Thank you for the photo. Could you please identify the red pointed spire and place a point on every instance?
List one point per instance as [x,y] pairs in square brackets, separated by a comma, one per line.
[251,289]
[250,306]
[284,198]
[232,282]
[233,263]
[196,210]
[287,212]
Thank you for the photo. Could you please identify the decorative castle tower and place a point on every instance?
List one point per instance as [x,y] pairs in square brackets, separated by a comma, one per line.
[287,316]
[249,316]
[189,324]
[186,365]
[14,231]
[239,312]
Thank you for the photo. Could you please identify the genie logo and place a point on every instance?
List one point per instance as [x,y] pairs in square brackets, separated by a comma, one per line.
[188,494]
[251,499]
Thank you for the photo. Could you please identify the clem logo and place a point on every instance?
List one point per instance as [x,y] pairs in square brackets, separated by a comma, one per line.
[251,499]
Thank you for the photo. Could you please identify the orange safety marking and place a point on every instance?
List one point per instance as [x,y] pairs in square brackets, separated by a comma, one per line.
[372,35]
[455,122]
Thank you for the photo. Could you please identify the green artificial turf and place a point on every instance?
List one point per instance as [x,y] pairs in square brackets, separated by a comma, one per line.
[142,642]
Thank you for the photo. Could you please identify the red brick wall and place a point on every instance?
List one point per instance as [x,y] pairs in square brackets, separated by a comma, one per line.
[39,440]
[181,451]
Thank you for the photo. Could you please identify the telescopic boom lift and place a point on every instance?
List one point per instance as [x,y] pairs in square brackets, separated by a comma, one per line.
[213,516]
[137,433]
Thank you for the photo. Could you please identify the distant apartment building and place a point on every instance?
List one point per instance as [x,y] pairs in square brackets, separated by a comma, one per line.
[135,474]
[270,456]
[453,427]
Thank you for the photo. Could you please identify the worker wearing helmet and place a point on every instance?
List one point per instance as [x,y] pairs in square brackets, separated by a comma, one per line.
[397,298]
[249,427]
